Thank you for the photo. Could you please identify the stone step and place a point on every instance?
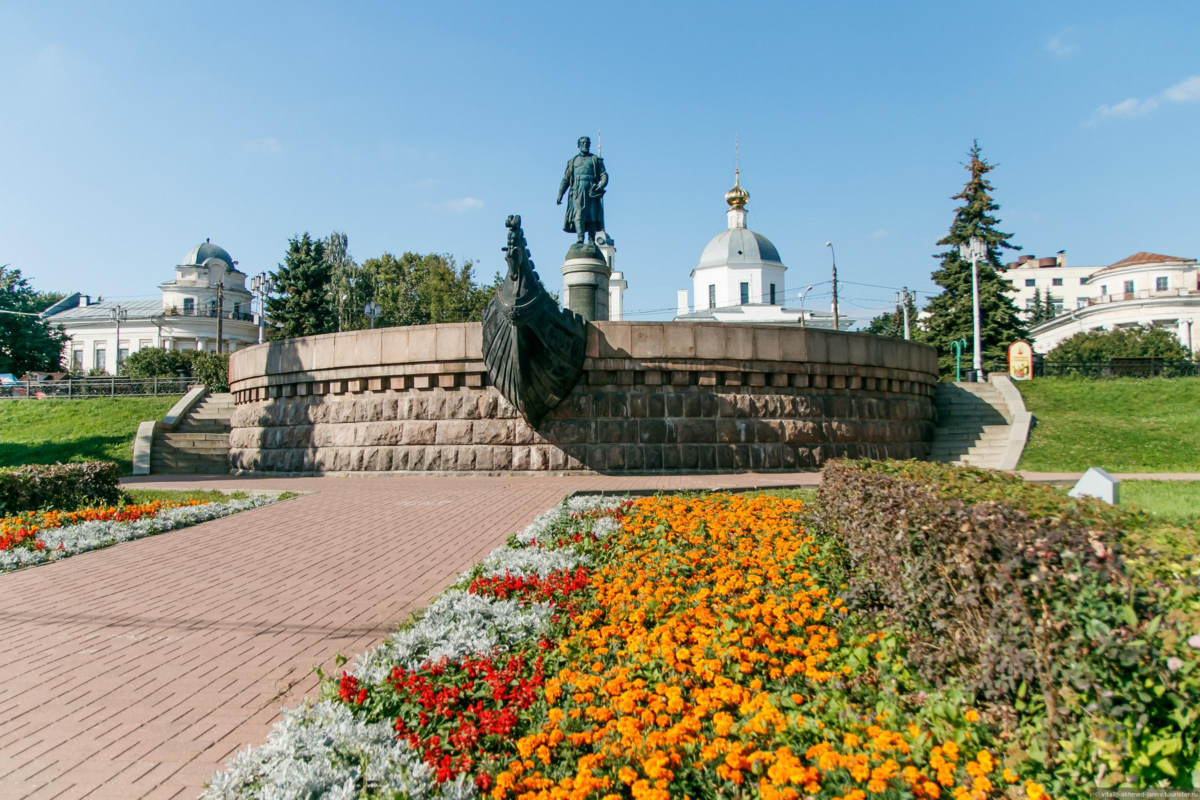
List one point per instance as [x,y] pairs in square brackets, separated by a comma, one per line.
[965,451]
[954,427]
[972,434]
[185,438]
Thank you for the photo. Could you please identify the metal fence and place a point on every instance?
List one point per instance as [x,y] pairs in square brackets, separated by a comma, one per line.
[1115,368]
[99,386]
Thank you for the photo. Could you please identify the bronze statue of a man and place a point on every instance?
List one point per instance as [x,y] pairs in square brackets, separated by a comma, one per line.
[586,179]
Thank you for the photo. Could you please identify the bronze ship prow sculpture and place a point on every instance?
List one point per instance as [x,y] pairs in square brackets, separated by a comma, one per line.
[533,349]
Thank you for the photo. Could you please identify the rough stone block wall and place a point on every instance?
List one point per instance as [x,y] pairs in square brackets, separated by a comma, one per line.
[664,397]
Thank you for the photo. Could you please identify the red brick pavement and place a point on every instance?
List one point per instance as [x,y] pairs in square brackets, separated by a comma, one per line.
[136,671]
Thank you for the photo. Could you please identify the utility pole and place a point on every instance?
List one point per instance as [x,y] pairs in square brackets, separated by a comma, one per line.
[904,307]
[833,255]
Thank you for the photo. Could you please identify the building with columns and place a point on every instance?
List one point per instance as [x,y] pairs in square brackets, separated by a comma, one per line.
[1146,289]
[185,318]
[740,277]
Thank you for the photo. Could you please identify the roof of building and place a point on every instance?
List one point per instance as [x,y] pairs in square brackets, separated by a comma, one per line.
[1142,257]
[97,312]
[204,251]
[738,247]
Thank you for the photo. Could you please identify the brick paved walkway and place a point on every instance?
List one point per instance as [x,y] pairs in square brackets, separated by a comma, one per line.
[137,670]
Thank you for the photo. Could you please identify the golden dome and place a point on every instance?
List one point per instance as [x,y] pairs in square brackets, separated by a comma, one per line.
[737,197]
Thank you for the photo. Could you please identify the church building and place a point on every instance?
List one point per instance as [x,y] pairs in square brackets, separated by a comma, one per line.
[740,278]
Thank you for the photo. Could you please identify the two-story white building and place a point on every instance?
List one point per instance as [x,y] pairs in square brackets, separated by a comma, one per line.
[1143,289]
[184,319]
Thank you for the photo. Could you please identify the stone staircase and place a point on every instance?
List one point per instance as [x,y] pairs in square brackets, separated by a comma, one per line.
[199,444]
[974,425]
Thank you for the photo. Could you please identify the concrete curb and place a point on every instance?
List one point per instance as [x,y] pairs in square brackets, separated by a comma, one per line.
[1018,429]
[144,440]
[142,443]
[179,410]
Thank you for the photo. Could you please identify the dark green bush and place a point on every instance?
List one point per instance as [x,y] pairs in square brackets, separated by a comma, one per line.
[210,369]
[64,487]
[1022,595]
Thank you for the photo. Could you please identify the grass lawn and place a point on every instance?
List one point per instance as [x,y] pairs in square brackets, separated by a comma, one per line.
[1122,425]
[1175,499]
[182,495]
[102,428]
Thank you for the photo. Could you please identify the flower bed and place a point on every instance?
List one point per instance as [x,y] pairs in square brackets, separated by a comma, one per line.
[35,538]
[664,647]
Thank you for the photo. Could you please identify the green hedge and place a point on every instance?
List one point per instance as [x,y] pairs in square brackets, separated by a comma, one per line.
[64,487]
[1024,597]
[210,369]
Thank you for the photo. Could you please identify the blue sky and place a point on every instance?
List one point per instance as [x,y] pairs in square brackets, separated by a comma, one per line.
[130,132]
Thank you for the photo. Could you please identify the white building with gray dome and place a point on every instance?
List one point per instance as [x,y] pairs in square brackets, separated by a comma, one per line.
[185,318]
[741,278]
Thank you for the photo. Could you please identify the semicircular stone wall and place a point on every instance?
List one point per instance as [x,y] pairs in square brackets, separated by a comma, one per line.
[654,397]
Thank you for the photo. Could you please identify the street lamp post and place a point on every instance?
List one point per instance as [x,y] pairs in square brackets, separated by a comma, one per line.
[260,285]
[802,296]
[371,311]
[118,315]
[833,255]
[975,250]
[220,264]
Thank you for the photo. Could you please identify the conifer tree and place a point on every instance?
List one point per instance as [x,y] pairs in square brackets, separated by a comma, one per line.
[1038,312]
[303,306]
[950,311]
[1050,312]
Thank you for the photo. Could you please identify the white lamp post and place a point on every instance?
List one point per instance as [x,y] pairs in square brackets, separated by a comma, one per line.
[260,284]
[371,311]
[802,296]
[118,315]
[975,250]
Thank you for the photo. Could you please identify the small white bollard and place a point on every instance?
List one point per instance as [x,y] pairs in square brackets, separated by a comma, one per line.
[1099,484]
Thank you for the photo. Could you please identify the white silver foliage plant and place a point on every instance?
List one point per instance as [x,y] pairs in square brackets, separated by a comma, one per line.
[322,751]
[85,536]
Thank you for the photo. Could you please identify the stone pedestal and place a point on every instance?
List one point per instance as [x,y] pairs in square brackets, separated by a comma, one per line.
[585,282]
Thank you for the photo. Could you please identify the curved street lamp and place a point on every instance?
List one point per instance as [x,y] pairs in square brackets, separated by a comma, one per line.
[802,296]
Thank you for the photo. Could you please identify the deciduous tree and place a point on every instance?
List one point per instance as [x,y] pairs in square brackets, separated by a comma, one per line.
[27,342]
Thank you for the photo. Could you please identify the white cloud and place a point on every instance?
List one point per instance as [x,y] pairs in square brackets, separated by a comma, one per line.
[1186,91]
[879,233]
[461,204]
[1061,45]
[267,145]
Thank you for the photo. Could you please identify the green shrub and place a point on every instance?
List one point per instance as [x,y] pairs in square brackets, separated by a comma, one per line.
[208,368]
[1023,597]
[212,370]
[59,486]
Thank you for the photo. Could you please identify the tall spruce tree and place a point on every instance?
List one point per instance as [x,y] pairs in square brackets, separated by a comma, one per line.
[951,310]
[303,306]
